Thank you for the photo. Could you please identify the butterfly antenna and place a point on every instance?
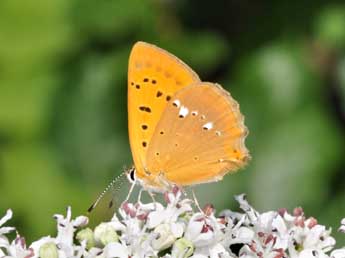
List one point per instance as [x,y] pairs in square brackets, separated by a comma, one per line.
[109,186]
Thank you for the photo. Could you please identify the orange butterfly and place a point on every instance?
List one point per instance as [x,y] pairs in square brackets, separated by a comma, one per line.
[182,131]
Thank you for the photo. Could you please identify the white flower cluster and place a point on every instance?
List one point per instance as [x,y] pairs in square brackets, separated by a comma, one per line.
[176,231]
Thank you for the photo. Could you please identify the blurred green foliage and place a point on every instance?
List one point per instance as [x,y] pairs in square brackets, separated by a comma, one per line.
[63,121]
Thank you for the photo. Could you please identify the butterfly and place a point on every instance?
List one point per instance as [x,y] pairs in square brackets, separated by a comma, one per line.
[182,131]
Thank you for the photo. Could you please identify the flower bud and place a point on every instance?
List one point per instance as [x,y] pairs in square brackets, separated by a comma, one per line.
[48,250]
[86,234]
[182,248]
[105,234]
[165,237]
[80,221]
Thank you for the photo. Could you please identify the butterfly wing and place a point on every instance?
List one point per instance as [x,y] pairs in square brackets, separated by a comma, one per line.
[199,138]
[154,76]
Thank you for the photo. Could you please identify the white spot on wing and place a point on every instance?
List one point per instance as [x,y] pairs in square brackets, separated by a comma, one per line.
[176,103]
[208,126]
[183,111]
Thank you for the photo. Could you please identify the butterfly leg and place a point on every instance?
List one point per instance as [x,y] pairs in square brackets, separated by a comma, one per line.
[152,195]
[183,191]
[196,202]
[139,195]
[129,192]
[163,181]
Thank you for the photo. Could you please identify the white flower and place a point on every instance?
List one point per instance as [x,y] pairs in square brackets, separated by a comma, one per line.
[134,233]
[94,252]
[171,215]
[66,227]
[3,220]
[282,233]
[202,230]
[4,243]
[312,253]
[316,239]
[218,251]
[165,237]
[246,207]
[175,231]
[339,253]
[206,234]
[64,240]
[341,228]
[246,252]
[117,250]
[18,248]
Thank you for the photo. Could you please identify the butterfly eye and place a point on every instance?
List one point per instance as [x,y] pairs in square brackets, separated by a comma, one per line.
[131,175]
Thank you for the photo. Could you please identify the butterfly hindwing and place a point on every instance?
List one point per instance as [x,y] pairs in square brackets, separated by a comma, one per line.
[199,137]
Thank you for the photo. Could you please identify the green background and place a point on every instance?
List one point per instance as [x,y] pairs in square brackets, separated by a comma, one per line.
[63,120]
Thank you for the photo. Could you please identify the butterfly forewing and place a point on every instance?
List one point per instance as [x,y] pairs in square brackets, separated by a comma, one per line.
[154,76]
[199,137]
